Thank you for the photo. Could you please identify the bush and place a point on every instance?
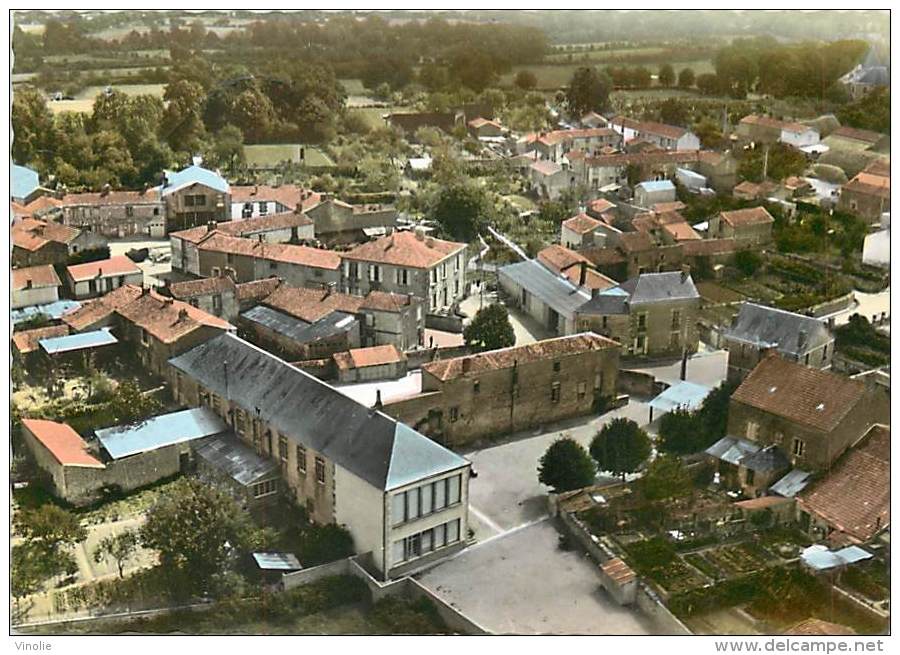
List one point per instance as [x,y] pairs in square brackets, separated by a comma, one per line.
[748,262]
[410,617]
[320,544]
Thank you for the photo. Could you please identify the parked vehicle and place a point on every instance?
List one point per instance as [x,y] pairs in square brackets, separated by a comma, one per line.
[138,254]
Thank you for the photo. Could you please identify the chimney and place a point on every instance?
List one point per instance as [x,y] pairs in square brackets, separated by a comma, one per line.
[105,191]
[420,234]
[210,226]
[429,242]
[28,283]
[378,404]
[255,189]
[182,314]
[583,274]
[685,272]
[466,364]
[196,160]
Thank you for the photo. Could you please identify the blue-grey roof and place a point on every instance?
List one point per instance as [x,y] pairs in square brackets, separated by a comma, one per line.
[767,327]
[194,175]
[550,288]
[791,484]
[681,395]
[80,341]
[818,556]
[277,561]
[367,443]
[298,330]
[732,449]
[656,185]
[160,431]
[656,287]
[53,310]
[233,458]
[767,460]
[23,181]
[687,172]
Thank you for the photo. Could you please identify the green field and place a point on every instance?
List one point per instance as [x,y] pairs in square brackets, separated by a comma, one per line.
[91,92]
[353,87]
[373,115]
[270,155]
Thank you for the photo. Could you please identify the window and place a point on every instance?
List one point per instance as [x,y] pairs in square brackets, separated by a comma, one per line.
[425,542]
[217,303]
[247,210]
[798,447]
[748,478]
[825,352]
[266,488]
[145,338]
[806,359]
[353,270]
[676,319]
[674,340]
[640,343]
[375,273]
[556,367]
[424,500]
[156,211]
[282,448]
[642,320]
[320,470]
[554,392]
[263,208]
[454,414]
[402,276]
[604,321]
[273,265]
[752,430]
[582,390]
[434,276]
[129,211]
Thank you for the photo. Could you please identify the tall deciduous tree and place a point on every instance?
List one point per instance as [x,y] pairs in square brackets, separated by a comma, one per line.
[461,207]
[490,329]
[666,75]
[686,78]
[588,90]
[565,466]
[620,447]
[665,479]
[120,548]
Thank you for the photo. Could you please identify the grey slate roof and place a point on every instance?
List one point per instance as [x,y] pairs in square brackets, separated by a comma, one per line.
[645,288]
[732,449]
[791,484]
[160,431]
[369,444]
[291,327]
[766,460]
[226,453]
[552,289]
[767,327]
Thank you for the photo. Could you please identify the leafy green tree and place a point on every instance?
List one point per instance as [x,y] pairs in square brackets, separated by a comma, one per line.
[714,412]
[710,135]
[130,404]
[120,548]
[708,84]
[620,447]
[196,528]
[525,80]
[33,126]
[320,544]
[783,162]
[666,479]
[460,206]
[674,112]
[686,78]
[490,329]
[748,262]
[565,466]
[182,123]
[666,75]
[681,432]
[588,90]
[50,527]
[871,112]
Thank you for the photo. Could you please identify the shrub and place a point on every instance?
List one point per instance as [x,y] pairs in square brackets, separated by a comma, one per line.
[320,544]
[412,617]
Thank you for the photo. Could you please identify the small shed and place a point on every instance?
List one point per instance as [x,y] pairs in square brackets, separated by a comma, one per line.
[681,395]
[819,558]
[160,432]
[76,349]
[253,479]
[647,194]
[690,179]
[619,580]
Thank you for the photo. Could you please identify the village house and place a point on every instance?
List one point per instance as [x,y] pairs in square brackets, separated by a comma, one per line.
[297,340]
[868,194]
[403,497]
[758,329]
[602,209]
[813,416]
[851,502]
[650,193]
[482,127]
[576,268]
[409,263]
[752,226]
[116,214]
[34,285]
[372,363]
[550,179]
[764,129]
[553,146]
[96,278]
[159,328]
[26,344]
[264,200]
[579,232]
[593,119]
[503,391]
[45,242]
[337,222]
[720,169]
[651,315]
[865,78]
[748,190]
[667,137]
[195,196]
[214,295]
[100,312]
[246,260]
[548,297]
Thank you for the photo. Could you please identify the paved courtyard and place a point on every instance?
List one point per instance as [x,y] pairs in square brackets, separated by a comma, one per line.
[154,273]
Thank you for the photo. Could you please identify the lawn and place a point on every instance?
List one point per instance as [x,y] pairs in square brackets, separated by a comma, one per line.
[716,294]
[353,87]
[373,115]
[91,92]
[270,155]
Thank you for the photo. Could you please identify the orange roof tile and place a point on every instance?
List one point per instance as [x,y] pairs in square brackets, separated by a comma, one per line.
[119,265]
[279,252]
[405,249]
[582,223]
[600,205]
[257,289]
[448,369]
[27,341]
[95,310]
[289,195]
[681,231]
[150,196]
[202,287]
[66,445]
[32,234]
[373,356]
[167,319]
[311,304]
[37,276]
[385,301]
[744,217]
[559,258]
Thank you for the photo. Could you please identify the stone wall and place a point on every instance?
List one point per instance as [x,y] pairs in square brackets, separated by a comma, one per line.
[637,383]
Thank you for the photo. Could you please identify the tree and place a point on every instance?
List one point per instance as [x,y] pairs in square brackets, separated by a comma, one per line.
[49,527]
[566,466]
[588,90]
[748,262]
[33,126]
[666,479]
[490,329]
[525,80]
[673,112]
[195,528]
[871,112]
[666,75]
[120,548]
[782,162]
[460,206]
[320,544]
[681,432]
[129,404]
[708,84]
[714,412]
[709,134]
[686,78]
[620,447]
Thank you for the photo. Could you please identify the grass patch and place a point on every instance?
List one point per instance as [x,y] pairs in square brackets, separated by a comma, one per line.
[717,295]
[353,87]
[271,155]
[91,92]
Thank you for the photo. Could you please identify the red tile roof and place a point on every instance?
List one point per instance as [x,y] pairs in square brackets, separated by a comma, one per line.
[279,252]
[373,356]
[494,360]
[150,196]
[481,122]
[258,289]
[819,628]
[32,234]
[866,136]
[545,167]
[385,302]
[808,396]
[665,207]
[119,265]
[202,287]
[600,205]
[560,258]
[706,247]
[311,304]
[405,249]
[247,226]
[745,217]
[38,276]
[96,310]
[681,231]
[167,319]
[289,195]
[582,223]
[635,242]
[854,496]
[27,341]
[66,446]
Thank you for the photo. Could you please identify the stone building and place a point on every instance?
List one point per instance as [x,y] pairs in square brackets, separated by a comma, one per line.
[96,278]
[651,315]
[580,232]
[757,330]
[597,172]
[811,415]
[403,497]
[544,294]
[263,200]
[340,222]
[214,295]
[502,391]
[372,363]
[34,285]
[195,196]
[752,226]
[409,263]
[116,214]
[45,242]
[868,194]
